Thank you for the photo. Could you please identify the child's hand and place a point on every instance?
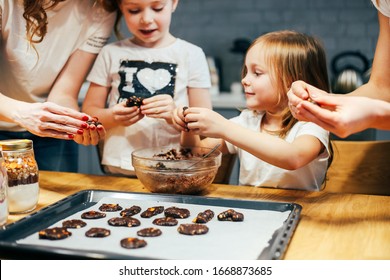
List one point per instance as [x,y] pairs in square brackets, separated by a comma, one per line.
[160,106]
[205,122]
[178,119]
[126,116]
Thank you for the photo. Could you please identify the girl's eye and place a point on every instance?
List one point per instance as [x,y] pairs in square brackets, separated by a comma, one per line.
[258,73]
[158,9]
[133,12]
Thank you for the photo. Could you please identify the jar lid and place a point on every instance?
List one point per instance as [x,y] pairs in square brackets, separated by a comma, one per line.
[15,144]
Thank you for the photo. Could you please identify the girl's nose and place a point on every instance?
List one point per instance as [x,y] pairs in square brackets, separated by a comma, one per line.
[245,81]
[146,18]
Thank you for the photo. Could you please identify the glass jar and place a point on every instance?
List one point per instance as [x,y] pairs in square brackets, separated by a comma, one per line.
[3,193]
[22,173]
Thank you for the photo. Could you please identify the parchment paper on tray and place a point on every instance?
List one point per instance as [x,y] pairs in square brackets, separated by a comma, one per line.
[225,240]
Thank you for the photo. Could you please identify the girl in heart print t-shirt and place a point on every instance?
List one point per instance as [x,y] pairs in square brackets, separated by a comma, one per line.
[136,83]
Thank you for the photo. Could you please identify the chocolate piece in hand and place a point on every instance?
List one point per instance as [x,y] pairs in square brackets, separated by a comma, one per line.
[94,121]
[134,101]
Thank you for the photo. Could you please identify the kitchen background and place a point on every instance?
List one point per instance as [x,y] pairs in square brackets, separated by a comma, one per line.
[222,28]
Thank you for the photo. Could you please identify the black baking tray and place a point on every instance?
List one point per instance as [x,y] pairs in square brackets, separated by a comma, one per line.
[11,233]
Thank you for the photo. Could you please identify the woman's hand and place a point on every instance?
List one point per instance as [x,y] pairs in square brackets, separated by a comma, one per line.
[160,106]
[49,119]
[92,133]
[342,115]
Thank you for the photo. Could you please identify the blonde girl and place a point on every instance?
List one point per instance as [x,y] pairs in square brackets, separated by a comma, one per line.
[275,150]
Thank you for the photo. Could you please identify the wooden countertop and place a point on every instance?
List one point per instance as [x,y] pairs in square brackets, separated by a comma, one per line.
[332,226]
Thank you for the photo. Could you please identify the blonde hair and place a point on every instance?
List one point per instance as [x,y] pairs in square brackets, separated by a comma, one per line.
[36,16]
[292,56]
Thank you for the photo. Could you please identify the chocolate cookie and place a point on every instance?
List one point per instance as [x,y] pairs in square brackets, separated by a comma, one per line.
[165,221]
[175,212]
[93,215]
[97,232]
[74,223]
[105,207]
[94,121]
[231,215]
[134,101]
[132,243]
[55,233]
[152,211]
[149,232]
[133,210]
[192,229]
[124,222]
[204,217]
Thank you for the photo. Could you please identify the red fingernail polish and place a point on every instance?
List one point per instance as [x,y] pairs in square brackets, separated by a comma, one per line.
[80,131]
[84,125]
[85,118]
[100,128]
[70,136]
[92,127]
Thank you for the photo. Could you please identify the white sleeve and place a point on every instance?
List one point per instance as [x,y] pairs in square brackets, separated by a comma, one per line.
[383,6]
[99,73]
[199,75]
[312,129]
[99,31]
[231,148]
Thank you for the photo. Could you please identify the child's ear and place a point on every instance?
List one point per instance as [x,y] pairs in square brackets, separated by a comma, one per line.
[174,5]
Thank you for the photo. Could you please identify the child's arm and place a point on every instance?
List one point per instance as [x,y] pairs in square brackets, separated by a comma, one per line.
[271,149]
[199,97]
[95,101]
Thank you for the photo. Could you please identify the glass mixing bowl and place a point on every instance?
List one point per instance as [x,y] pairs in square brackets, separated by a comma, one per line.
[176,169]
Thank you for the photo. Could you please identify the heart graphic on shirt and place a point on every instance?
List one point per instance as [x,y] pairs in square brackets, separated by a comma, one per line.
[154,80]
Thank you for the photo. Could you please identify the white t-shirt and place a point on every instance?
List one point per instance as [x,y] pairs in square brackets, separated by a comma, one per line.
[255,172]
[128,68]
[72,25]
[383,6]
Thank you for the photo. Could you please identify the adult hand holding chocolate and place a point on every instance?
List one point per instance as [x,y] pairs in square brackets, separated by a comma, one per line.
[335,113]
[44,119]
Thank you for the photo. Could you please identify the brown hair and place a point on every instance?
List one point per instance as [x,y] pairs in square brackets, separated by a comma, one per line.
[36,16]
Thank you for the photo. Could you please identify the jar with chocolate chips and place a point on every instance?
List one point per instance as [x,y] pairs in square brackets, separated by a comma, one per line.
[22,172]
[3,193]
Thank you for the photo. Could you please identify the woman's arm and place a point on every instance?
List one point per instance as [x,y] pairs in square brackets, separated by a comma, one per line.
[43,119]
[66,88]
[378,86]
